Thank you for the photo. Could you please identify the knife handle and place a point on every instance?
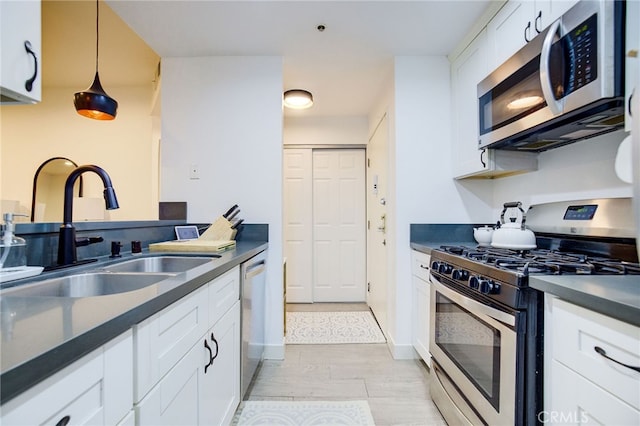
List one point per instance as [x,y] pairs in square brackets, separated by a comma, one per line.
[228,212]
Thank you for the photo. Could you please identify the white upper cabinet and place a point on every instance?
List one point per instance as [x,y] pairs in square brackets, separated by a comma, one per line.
[518,22]
[21,52]
[467,70]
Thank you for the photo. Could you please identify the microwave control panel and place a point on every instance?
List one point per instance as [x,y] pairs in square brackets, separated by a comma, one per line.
[581,47]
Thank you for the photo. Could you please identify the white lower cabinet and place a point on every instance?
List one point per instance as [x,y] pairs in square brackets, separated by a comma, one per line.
[220,385]
[583,383]
[95,390]
[187,358]
[198,390]
[420,264]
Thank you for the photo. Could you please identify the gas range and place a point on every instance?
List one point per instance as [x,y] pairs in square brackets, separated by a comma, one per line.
[499,274]
[486,322]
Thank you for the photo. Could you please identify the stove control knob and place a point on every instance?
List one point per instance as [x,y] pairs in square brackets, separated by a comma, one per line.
[435,266]
[460,274]
[489,287]
[474,282]
[445,268]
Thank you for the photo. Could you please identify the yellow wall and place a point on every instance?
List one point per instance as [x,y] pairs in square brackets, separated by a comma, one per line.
[124,147]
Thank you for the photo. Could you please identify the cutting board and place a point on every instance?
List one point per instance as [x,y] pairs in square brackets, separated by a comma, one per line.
[193,245]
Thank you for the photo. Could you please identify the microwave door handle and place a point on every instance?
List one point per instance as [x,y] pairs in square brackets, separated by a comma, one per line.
[545,76]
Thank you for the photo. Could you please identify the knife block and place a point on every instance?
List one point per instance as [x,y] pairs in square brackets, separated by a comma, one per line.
[219,230]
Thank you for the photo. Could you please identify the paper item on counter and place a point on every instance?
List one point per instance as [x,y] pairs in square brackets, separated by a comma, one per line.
[10,274]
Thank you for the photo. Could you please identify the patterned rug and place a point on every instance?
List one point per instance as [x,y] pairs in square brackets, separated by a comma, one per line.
[332,328]
[303,413]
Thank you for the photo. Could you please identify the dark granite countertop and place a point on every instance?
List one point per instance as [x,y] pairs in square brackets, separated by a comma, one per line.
[42,335]
[617,296]
[426,247]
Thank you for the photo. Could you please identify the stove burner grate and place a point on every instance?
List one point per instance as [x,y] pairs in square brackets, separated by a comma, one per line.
[543,261]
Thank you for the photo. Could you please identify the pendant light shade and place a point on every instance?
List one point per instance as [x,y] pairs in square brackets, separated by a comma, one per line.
[298,99]
[94,101]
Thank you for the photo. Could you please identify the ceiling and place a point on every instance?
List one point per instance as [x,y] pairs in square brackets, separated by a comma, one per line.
[344,66]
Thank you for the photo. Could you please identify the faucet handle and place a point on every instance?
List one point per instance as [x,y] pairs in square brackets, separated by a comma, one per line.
[115,249]
[81,242]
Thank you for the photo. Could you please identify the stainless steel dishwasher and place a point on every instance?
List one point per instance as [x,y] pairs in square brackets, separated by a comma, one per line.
[252,294]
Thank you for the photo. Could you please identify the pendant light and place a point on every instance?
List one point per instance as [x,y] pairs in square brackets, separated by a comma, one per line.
[94,102]
[298,99]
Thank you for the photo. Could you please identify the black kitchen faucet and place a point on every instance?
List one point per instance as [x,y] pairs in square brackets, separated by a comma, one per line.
[67,241]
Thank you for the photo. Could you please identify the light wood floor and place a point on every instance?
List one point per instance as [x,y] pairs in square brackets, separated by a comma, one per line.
[397,390]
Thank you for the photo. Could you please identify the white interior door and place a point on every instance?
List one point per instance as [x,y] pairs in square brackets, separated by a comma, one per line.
[298,226]
[376,216]
[339,230]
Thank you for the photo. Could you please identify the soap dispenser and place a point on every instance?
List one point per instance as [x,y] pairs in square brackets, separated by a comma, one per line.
[13,249]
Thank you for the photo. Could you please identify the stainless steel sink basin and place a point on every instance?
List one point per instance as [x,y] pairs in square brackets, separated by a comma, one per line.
[85,285]
[162,264]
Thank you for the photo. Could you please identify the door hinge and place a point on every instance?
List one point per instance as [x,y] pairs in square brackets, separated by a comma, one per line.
[368,162]
[368,224]
[368,287]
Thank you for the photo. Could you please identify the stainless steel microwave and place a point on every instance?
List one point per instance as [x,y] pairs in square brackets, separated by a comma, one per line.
[565,85]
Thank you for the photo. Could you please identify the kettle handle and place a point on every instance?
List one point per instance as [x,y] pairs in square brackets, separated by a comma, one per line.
[513,205]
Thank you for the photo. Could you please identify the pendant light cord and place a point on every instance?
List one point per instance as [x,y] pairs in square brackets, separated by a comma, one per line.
[97,34]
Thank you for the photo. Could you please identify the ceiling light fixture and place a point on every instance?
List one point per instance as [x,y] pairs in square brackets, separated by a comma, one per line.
[298,99]
[94,101]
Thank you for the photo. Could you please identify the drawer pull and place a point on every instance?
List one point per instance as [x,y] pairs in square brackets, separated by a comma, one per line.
[602,352]
[216,342]
[206,345]
[424,267]
[64,421]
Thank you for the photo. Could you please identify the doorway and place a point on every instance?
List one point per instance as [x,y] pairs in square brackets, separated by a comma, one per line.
[325,224]
[377,215]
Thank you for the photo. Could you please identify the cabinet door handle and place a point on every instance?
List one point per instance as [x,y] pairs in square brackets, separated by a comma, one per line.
[603,353]
[424,267]
[538,19]
[630,99]
[64,421]
[206,345]
[29,83]
[484,150]
[216,342]
[527,30]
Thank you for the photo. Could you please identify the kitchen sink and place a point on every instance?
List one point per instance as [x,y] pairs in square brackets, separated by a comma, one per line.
[85,285]
[162,264]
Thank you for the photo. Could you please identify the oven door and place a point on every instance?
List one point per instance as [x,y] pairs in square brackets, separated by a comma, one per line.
[476,347]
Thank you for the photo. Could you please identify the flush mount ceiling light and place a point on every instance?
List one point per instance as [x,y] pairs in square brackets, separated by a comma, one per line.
[298,99]
[94,102]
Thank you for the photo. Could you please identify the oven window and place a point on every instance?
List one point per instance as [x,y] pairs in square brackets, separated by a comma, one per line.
[472,344]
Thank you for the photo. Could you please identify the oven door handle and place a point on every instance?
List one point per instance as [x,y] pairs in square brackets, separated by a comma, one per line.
[474,306]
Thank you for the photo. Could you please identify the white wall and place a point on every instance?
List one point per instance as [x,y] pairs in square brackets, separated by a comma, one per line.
[325,130]
[582,170]
[224,114]
[31,134]
[418,104]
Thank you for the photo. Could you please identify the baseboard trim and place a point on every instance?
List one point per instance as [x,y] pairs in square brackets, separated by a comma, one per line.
[274,351]
[405,351]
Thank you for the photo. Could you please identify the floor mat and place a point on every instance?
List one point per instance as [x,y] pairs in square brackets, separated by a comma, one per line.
[332,328]
[303,413]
